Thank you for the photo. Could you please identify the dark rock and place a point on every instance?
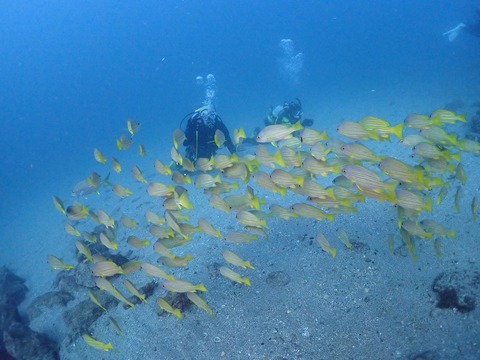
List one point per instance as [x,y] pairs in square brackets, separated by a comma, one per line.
[426,355]
[23,343]
[457,290]
[278,279]
[47,301]
[178,301]
[84,314]
[83,275]
[8,315]
[65,281]
[12,287]
[360,247]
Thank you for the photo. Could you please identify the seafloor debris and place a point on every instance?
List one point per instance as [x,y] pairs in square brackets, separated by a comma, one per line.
[48,301]
[457,290]
[278,279]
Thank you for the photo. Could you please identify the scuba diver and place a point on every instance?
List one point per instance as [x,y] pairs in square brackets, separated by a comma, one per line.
[200,133]
[287,113]
[472,28]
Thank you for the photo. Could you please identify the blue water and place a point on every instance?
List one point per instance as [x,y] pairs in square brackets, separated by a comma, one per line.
[71,73]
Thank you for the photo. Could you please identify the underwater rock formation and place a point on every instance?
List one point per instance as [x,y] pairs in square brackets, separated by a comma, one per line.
[457,290]
[18,341]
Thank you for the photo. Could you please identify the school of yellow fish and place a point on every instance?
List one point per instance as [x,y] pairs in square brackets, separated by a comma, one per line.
[332,175]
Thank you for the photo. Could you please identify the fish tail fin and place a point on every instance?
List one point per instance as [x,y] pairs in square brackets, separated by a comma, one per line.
[398,130]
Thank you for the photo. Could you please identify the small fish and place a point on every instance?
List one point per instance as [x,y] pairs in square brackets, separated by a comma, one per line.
[104,284]
[310,211]
[420,121]
[219,203]
[163,250]
[178,138]
[180,286]
[105,219]
[354,130]
[431,151]
[460,174]
[237,171]
[90,237]
[59,205]
[442,194]
[107,242]
[432,226]
[155,271]
[141,150]
[344,238]
[414,229]
[83,249]
[176,156]
[77,212]
[116,165]
[131,266]
[179,178]
[264,157]
[138,243]
[283,178]
[197,300]
[311,136]
[382,127]
[315,190]
[124,142]
[234,276]
[239,237]
[410,200]
[439,136]
[154,218]
[274,133]
[458,198]
[248,218]
[72,230]
[447,116]
[438,247]
[130,287]
[236,260]
[96,344]
[58,264]
[205,181]
[413,139]
[133,126]
[160,189]
[358,151]
[122,191]
[391,243]
[219,138]
[138,174]
[365,178]
[99,156]
[164,305]
[282,212]
[106,268]
[95,300]
[208,228]
[162,168]
[128,222]
[116,326]
[325,245]
[176,262]
[238,136]
[474,208]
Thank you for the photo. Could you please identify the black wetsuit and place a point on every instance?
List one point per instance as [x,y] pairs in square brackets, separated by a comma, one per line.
[200,140]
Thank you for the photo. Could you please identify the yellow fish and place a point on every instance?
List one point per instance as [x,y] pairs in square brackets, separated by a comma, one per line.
[311,136]
[72,230]
[122,191]
[138,174]
[105,219]
[273,133]
[250,219]
[238,136]
[116,165]
[178,138]
[133,126]
[164,305]
[219,138]
[128,222]
[77,212]
[99,156]
[83,249]
[59,205]
[160,189]
[96,344]
[138,243]
[141,150]
[105,240]
[162,168]
[205,181]
[354,130]
[325,245]
[130,287]
[234,276]
[208,228]
[106,268]
[182,286]
[124,142]
[58,264]
[155,271]
[197,300]
[236,260]
[95,300]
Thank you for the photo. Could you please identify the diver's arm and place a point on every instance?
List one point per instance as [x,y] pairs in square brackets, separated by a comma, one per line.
[228,140]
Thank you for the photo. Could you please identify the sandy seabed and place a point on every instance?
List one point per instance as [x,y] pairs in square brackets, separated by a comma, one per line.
[365,303]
